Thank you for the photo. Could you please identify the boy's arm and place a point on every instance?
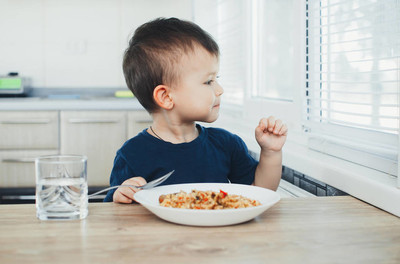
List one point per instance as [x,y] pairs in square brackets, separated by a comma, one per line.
[269,170]
[125,194]
[121,174]
[271,136]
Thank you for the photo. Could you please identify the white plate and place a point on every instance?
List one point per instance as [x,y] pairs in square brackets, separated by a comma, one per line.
[149,199]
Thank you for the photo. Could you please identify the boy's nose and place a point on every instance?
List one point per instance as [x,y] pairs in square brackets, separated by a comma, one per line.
[219,90]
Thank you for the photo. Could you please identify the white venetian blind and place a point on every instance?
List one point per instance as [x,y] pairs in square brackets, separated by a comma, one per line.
[353,80]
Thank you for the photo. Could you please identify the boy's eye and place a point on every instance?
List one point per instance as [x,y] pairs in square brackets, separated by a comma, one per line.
[209,82]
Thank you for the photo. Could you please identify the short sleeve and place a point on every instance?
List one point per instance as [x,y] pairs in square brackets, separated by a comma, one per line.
[243,165]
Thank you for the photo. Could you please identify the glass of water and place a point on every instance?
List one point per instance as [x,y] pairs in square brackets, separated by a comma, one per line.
[61,187]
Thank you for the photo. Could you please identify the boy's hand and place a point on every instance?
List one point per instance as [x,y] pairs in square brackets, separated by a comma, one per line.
[125,194]
[271,134]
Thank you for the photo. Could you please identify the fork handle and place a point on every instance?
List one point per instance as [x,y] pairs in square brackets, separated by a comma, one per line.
[113,187]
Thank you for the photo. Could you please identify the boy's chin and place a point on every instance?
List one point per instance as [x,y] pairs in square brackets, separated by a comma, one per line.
[209,119]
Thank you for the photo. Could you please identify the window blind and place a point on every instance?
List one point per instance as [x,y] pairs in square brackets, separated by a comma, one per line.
[351,96]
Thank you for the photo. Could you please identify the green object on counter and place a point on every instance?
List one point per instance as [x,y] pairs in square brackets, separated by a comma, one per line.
[123,94]
[10,83]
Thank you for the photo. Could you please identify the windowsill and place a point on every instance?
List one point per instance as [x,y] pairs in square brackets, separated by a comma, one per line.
[371,186]
[288,190]
[366,184]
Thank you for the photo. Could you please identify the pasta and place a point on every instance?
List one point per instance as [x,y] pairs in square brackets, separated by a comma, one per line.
[206,200]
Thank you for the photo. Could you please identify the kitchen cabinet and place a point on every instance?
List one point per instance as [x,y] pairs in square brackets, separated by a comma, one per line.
[24,136]
[96,134]
[17,168]
[29,130]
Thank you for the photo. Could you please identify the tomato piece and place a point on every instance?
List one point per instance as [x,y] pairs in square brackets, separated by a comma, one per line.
[223,193]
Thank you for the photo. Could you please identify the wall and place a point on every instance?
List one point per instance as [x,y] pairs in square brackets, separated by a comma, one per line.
[75,44]
[304,182]
[309,184]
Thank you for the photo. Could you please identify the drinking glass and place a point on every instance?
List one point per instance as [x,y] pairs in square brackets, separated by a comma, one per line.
[61,187]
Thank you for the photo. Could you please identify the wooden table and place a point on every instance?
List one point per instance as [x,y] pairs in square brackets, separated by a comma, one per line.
[296,230]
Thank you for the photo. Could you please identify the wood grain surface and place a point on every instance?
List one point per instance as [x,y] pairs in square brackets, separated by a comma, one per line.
[296,230]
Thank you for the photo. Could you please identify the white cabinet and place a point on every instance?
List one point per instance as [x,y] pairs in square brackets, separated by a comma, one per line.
[17,167]
[23,137]
[29,130]
[96,134]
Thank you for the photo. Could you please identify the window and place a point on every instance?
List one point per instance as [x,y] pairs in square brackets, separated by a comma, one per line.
[340,100]
[352,80]
[274,40]
[259,55]
[228,22]
[347,100]
[233,39]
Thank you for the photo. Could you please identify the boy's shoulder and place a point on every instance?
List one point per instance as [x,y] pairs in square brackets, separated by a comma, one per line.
[218,132]
[224,140]
[134,144]
[221,135]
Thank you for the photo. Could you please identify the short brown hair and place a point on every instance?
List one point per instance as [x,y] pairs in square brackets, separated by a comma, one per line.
[154,51]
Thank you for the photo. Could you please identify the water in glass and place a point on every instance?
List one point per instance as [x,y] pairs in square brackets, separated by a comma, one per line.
[62,198]
[61,187]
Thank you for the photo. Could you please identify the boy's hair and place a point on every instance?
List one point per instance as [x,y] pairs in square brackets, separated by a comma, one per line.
[154,52]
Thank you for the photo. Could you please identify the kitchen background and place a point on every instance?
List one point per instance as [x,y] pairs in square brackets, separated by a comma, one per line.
[75,44]
[69,50]
[67,45]
[270,51]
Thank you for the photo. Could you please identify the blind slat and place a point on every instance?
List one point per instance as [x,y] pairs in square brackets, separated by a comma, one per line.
[349,41]
[348,102]
[391,27]
[316,119]
[352,92]
[325,5]
[332,110]
[360,82]
[353,72]
[321,27]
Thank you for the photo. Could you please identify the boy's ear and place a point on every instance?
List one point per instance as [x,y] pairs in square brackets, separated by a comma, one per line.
[161,95]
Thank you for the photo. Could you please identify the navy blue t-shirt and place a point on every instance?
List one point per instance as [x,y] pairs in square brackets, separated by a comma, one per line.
[216,155]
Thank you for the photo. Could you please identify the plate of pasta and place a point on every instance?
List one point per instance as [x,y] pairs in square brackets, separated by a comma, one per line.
[207,204]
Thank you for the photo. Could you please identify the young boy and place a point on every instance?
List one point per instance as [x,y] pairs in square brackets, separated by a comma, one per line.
[171,67]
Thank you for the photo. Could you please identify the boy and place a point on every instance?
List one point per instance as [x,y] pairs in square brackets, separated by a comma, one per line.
[171,67]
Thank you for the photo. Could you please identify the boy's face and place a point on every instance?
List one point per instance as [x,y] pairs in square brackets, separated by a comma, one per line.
[197,94]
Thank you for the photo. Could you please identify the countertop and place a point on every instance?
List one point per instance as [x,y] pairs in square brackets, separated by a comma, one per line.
[84,103]
[295,230]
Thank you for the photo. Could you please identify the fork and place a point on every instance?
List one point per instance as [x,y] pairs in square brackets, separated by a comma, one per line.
[148,185]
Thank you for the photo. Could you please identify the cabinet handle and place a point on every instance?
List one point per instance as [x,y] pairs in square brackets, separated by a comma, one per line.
[19,160]
[25,122]
[144,121]
[92,121]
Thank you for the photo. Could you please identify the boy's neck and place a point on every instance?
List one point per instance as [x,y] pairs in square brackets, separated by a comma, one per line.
[171,130]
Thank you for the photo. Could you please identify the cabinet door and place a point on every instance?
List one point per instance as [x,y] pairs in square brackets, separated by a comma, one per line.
[137,121]
[96,134]
[29,130]
[17,167]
